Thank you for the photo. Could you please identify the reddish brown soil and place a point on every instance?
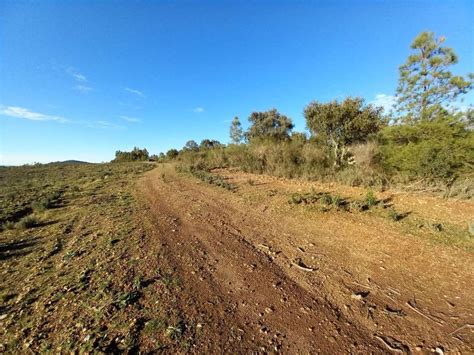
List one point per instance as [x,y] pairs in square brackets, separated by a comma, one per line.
[368,284]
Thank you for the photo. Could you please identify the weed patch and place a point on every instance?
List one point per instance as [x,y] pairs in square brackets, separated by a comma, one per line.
[28,222]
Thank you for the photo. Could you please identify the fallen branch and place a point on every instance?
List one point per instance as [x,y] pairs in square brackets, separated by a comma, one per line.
[301,265]
[413,308]
[460,328]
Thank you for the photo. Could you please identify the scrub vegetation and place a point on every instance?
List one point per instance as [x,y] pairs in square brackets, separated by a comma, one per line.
[424,143]
[279,242]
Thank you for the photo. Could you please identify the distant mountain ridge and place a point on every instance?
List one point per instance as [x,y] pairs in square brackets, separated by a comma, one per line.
[65,162]
[69,162]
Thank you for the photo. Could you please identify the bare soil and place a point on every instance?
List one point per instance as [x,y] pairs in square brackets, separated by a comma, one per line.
[126,261]
[260,274]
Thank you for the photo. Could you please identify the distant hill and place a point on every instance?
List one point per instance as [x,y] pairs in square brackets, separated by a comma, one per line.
[65,162]
[69,162]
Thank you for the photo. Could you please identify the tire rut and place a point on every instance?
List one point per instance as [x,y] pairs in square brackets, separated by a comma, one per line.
[243,298]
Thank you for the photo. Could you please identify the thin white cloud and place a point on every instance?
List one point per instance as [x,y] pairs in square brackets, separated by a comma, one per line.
[83,88]
[135,92]
[130,119]
[24,113]
[198,110]
[105,125]
[386,101]
[76,75]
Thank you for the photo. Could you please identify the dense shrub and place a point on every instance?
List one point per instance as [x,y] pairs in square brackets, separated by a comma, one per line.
[437,150]
[136,154]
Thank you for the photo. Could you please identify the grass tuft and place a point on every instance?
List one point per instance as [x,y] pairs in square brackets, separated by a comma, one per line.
[27,222]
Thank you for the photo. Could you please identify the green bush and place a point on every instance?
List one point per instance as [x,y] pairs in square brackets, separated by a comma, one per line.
[136,154]
[370,199]
[436,150]
[8,225]
[42,204]
[27,222]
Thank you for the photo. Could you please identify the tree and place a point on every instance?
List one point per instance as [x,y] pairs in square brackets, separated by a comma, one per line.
[439,149]
[209,144]
[269,125]
[426,86]
[136,154]
[341,124]
[172,153]
[236,133]
[191,145]
[299,137]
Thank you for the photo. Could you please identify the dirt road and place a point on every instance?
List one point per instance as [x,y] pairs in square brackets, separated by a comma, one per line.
[259,274]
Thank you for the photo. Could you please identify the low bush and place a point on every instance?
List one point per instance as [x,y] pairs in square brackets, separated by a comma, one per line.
[394,215]
[213,179]
[27,222]
[43,204]
[8,225]
[437,150]
[370,199]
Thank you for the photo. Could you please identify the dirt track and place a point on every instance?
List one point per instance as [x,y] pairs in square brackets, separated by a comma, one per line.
[258,274]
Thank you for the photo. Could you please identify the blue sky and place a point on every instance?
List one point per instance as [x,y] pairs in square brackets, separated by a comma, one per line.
[82,79]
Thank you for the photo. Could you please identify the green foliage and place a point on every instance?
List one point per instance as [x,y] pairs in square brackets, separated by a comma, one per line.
[172,153]
[191,146]
[42,204]
[370,199]
[236,133]
[351,142]
[210,144]
[269,125]
[426,86]
[136,154]
[339,125]
[439,149]
[394,215]
[8,225]
[27,222]
[127,298]
[213,179]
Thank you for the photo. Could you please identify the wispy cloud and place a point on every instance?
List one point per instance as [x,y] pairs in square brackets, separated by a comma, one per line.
[24,113]
[106,125]
[83,88]
[198,110]
[130,119]
[81,80]
[76,75]
[134,91]
[386,101]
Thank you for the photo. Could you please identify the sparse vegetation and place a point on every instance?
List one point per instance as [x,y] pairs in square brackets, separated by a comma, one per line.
[126,265]
[394,215]
[355,143]
[27,222]
[55,233]
[370,199]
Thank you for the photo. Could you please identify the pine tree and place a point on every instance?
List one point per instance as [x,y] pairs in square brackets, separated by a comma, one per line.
[236,133]
[426,86]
